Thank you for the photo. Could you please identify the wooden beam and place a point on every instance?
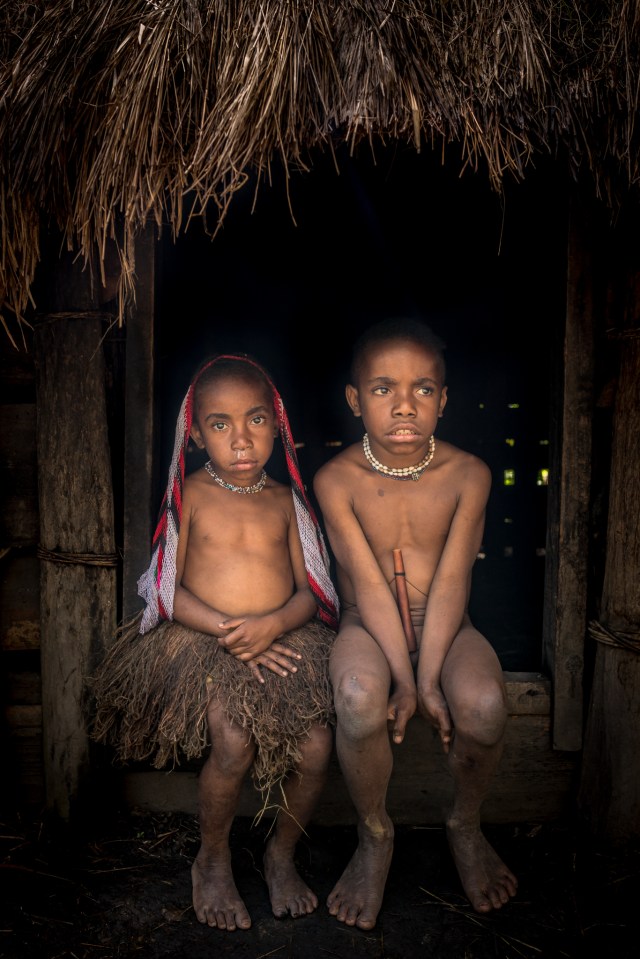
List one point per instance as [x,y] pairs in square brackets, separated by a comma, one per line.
[534,781]
[139,450]
[565,616]
[609,797]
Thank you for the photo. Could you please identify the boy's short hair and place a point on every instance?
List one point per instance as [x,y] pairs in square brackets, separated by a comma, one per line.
[396,328]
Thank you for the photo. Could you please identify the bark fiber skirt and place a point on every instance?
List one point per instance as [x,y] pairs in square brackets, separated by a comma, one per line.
[152,691]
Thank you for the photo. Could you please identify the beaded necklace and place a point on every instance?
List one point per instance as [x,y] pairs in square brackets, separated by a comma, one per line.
[399,473]
[236,489]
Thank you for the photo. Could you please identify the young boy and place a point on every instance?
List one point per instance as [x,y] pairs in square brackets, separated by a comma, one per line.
[234,642]
[399,489]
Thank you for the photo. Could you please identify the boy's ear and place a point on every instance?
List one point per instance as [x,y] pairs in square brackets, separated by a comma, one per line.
[443,400]
[352,399]
[196,436]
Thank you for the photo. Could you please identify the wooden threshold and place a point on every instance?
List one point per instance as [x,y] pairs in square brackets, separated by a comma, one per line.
[535,783]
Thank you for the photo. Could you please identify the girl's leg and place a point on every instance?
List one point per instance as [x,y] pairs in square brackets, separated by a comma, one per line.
[216,900]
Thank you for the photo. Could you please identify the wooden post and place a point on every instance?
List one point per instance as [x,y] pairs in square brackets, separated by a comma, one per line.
[565,617]
[609,794]
[77,548]
[139,516]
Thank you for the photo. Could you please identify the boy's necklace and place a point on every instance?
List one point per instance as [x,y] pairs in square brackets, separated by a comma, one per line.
[401,473]
[236,489]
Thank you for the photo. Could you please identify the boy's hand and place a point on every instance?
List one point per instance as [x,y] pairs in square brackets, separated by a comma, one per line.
[433,707]
[402,706]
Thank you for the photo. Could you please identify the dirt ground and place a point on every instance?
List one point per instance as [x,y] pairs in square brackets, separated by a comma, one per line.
[122,889]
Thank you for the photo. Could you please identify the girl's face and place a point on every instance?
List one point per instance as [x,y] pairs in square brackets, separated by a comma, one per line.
[234,422]
[400,394]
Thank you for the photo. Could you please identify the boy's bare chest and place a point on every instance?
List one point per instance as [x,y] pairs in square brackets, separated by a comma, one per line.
[395,512]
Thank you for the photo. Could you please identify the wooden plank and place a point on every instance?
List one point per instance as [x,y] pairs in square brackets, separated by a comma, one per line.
[139,450]
[534,781]
[528,694]
[23,717]
[23,788]
[23,688]
[17,376]
[568,531]
[78,596]
[18,474]
[19,602]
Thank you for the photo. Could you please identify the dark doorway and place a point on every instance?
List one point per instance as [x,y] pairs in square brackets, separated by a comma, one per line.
[304,263]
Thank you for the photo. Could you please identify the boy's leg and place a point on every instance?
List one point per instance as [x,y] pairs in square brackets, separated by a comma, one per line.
[289,894]
[473,685]
[361,683]
[216,900]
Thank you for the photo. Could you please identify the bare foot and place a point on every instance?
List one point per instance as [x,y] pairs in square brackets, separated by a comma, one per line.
[485,879]
[289,894]
[357,896]
[216,900]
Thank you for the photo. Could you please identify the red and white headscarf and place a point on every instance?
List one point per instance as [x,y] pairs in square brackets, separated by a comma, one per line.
[157,584]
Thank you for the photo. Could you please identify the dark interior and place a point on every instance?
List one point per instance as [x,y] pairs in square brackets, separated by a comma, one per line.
[301,264]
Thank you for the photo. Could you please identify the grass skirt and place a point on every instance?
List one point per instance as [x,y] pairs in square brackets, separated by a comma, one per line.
[152,691]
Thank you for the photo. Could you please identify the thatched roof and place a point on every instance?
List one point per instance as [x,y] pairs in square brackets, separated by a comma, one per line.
[113,110]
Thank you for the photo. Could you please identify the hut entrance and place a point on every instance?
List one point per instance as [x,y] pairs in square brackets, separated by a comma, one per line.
[301,267]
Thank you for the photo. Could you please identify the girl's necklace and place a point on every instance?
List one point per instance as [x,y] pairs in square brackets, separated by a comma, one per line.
[236,489]
[400,473]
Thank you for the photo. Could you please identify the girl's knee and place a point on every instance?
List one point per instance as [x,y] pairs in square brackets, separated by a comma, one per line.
[232,758]
[316,751]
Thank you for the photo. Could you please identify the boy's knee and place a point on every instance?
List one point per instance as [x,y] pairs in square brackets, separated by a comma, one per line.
[482,714]
[361,703]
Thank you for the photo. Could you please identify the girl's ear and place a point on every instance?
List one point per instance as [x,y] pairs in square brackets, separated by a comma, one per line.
[196,436]
[352,399]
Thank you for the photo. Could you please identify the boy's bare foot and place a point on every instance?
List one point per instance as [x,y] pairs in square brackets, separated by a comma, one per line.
[216,900]
[289,894]
[357,896]
[485,879]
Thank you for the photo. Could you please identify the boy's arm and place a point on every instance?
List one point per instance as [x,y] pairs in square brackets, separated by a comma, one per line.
[377,607]
[449,593]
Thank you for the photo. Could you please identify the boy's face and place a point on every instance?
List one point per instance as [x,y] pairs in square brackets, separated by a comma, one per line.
[400,394]
[234,422]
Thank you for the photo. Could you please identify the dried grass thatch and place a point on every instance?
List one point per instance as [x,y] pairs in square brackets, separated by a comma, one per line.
[113,110]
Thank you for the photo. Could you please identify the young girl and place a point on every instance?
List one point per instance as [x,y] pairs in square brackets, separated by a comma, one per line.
[232,648]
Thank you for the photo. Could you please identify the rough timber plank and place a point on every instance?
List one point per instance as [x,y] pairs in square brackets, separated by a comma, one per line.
[534,783]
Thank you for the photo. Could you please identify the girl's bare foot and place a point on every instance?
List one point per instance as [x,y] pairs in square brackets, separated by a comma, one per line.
[289,894]
[357,896]
[216,900]
[485,879]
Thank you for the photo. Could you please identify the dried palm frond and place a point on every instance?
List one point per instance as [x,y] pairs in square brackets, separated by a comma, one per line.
[112,111]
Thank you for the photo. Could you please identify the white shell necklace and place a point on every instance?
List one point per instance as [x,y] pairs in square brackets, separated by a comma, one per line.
[400,473]
[236,489]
